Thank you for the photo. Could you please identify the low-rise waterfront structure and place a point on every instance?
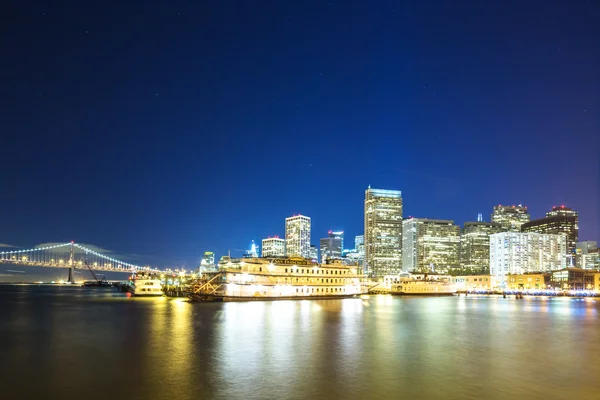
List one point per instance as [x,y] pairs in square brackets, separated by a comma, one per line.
[528,281]
[571,279]
[475,282]
[595,282]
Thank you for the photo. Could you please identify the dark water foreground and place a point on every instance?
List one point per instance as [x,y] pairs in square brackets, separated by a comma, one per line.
[73,343]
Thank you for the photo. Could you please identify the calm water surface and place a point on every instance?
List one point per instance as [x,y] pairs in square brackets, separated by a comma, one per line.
[73,343]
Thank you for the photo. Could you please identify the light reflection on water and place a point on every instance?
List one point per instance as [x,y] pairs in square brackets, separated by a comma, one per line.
[70,343]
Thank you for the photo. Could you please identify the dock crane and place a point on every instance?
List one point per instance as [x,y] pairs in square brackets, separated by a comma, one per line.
[96,282]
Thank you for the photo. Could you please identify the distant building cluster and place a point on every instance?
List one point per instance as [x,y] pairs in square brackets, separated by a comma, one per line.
[510,244]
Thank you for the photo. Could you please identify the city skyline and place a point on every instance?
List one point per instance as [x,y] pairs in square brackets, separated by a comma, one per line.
[206,134]
[243,248]
[300,199]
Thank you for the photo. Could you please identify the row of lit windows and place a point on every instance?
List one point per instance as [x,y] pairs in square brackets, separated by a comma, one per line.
[528,279]
[320,290]
[318,271]
[419,289]
[316,280]
[312,271]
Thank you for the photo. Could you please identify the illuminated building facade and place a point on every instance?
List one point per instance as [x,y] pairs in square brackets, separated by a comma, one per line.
[561,220]
[314,252]
[588,255]
[208,258]
[430,245]
[595,282]
[332,246]
[297,236]
[359,244]
[383,232]
[273,247]
[475,245]
[520,253]
[528,281]
[510,217]
[208,261]
[474,282]
[573,279]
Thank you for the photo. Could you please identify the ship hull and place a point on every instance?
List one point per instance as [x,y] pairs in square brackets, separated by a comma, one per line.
[434,294]
[218,298]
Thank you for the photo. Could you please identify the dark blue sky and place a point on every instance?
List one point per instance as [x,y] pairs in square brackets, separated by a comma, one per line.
[167,130]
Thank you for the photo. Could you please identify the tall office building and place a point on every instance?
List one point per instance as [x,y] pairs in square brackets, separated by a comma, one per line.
[338,237]
[314,252]
[475,245]
[332,246]
[359,244]
[519,253]
[561,220]
[297,236]
[588,255]
[273,247]
[383,232]
[430,244]
[510,217]
[586,247]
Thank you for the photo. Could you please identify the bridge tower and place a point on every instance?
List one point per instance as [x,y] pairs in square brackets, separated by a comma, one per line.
[72,264]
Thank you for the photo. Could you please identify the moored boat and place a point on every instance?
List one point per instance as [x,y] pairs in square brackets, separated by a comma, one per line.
[145,285]
[424,286]
[98,283]
[259,278]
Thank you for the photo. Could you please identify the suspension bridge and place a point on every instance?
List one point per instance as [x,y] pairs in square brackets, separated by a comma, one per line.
[68,255]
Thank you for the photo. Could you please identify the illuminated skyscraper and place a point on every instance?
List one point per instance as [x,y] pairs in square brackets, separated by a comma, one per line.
[519,253]
[561,220]
[383,232]
[314,252]
[359,244]
[332,246]
[588,255]
[273,247]
[297,236]
[475,245]
[510,217]
[430,244]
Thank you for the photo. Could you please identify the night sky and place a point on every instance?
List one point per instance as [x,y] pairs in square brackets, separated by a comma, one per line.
[162,131]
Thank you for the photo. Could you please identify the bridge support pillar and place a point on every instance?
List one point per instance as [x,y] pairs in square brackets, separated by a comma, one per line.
[71,265]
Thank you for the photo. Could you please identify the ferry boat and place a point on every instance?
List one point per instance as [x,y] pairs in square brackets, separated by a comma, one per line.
[262,278]
[424,285]
[145,285]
